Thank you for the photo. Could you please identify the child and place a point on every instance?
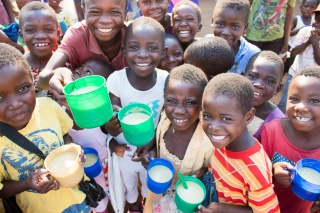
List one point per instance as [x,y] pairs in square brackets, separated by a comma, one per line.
[307,50]
[180,137]
[157,10]
[64,17]
[240,167]
[140,82]
[186,22]
[94,138]
[212,55]
[99,36]
[295,137]
[174,54]
[44,123]
[265,71]
[269,24]
[39,31]
[230,19]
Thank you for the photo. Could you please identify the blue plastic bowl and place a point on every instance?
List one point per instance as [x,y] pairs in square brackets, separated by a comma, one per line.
[301,187]
[94,170]
[156,187]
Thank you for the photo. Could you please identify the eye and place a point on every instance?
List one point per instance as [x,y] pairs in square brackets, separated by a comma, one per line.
[270,81]
[169,101]
[114,12]
[87,72]
[24,89]
[206,116]
[226,119]
[94,12]
[1,98]
[251,76]
[176,20]
[191,103]
[178,54]
[218,24]
[49,29]
[133,47]
[30,30]
[235,27]
[293,99]
[153,48]
[314,101]
[190,19]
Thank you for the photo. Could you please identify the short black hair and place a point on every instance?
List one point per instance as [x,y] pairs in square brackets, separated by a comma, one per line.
[242,6]
[191,4]
[145,23]
[313,71]
[83,4]
[190,74]
[270,57]
[212,55]
[34,6]
[11,56]
[105,67]
[232,85]
[304,1]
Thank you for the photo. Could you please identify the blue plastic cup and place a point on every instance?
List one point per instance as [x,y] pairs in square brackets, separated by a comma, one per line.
[300,186]
[92,166]
[159,175]
[63,27]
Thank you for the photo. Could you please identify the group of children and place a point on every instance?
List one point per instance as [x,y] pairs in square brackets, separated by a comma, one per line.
[204,117]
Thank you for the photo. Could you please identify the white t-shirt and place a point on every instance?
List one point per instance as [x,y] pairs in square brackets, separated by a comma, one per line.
[119,85]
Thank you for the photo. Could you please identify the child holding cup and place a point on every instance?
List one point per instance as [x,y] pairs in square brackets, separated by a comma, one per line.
[140,82]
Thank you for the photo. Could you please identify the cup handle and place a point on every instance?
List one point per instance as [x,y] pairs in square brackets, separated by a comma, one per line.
[291,172]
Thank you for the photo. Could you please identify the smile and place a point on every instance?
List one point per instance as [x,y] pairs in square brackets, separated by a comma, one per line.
[41,44]
[180,121]
[103,30]
[300,119]
[184,33]
[142,65]
[258,94]
[218,138]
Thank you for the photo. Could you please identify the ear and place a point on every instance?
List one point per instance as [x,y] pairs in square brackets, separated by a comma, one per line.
[245,28]
[138,4]
[164,52]
[21,34]
[200,27]
[278,89]
[250,115]
[123,50]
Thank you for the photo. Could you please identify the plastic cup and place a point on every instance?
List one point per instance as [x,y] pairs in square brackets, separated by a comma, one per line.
[159,180]
[92,167]
[137,123]
[89,101]
[63,26]
[303,188]
[196,188]
[63,165]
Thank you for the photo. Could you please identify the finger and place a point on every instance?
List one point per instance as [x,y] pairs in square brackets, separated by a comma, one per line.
[116,108]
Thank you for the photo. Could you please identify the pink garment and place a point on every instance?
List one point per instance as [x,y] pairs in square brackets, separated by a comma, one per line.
[80,45]
[274,140]
[4,17]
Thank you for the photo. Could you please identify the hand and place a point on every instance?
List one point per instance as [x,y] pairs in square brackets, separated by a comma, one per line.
[113,126]
[213,207]
[314,37]
[119,149]
[284,51]
[282,175]
[61,77]
[39,181]
[19,47]
[199,173]
[82,157]
[147,157]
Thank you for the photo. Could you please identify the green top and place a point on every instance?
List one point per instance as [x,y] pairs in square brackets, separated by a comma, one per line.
[267,18]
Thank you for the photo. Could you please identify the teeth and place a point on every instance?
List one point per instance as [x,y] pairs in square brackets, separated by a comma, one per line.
[41,45]
[184,32]
[104,30]
[180,121]
[302,119]
[258,94]
[218,138]
[142,65]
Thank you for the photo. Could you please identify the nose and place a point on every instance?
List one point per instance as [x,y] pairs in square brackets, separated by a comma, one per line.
[214,126]
[258,85]
[301,106]
[14,103]
[179,109]
[104,18]
[226,31]
[40,34]
[143,53]
[154,6]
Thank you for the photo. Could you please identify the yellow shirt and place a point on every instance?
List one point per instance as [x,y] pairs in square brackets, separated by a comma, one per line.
[45,129]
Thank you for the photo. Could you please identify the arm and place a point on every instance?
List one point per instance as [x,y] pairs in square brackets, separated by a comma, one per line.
[287,29]
[5,39]
[293,25]
[225,208]
[79,10]
[58,59]
[38,181]
[300,48]
[67,139]
[8,6]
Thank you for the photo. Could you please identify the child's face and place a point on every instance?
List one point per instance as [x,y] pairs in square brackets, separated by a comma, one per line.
[230,25]
[265,78]
[174,55]
[185,23]
[307,8]
[91,67]
[303,104]
[223,122]
[105,18]
[143,51]
[156,9]
[54,3]
[182,104]
[39,30]
[17,96]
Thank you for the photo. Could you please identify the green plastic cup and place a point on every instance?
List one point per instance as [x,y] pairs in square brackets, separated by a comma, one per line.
[137,125]
[188,200]
[89,101]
